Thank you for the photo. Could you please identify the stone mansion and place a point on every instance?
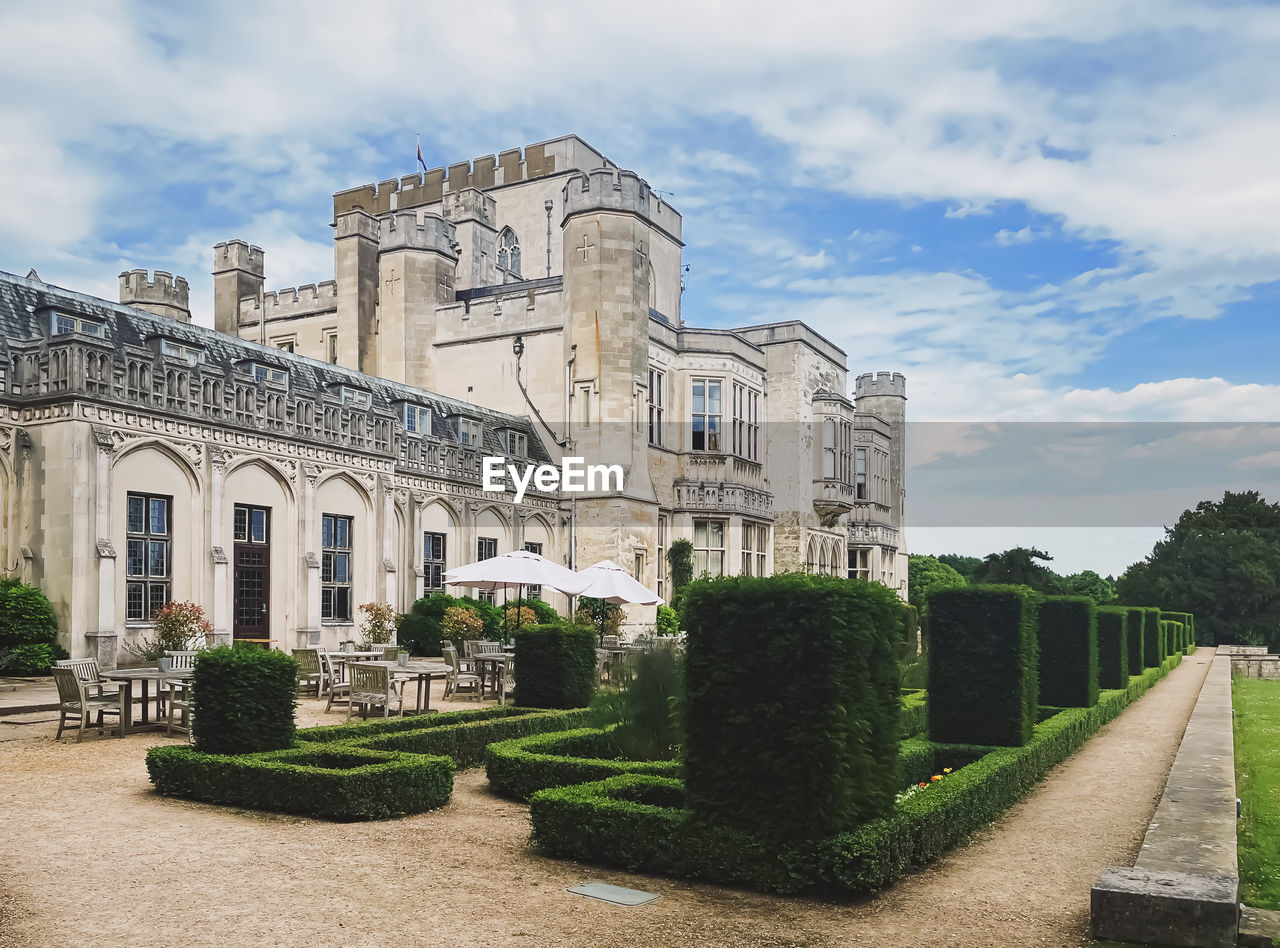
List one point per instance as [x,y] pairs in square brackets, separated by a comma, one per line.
[322,446]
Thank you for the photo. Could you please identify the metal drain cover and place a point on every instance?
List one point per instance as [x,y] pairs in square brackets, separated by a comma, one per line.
[616,894]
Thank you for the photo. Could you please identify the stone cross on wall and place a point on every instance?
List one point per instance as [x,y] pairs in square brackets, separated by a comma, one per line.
[585,249]
[393,279]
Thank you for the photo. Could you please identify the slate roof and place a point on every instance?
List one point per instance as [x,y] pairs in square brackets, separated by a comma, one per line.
[23,303]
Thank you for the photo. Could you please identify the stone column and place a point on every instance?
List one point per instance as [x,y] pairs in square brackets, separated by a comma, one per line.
[310,528]
[388,539]
[417,504]
[217,546]
[104,641]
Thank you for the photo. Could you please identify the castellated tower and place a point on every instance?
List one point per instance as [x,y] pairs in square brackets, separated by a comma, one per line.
[237,273]
[416,260]
[885,395]
[166,295]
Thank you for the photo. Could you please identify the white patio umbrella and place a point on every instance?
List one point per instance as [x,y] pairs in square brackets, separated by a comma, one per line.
[611,583]
[515,570]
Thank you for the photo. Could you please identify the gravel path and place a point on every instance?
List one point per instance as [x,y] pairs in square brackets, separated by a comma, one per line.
[91,856]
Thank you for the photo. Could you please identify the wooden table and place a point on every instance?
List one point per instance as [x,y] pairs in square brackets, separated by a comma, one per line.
[424,672]
[126,677]
[497,660]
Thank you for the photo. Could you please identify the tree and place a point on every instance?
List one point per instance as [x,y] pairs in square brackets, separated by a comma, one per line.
[926,573]
[966,566]
[1220,562]
[1088,583]
[1019,566]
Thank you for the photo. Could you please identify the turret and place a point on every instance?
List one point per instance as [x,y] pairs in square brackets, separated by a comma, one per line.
[166,295]
[237,273]
[884,395]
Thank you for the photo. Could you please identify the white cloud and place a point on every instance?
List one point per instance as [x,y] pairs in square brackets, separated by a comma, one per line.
[1268,460]
[1023,235]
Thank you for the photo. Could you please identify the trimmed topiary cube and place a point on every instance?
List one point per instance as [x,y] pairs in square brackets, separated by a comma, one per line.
[1113,647]
[1068,639]
[243,700]
[1153,651]
[555,666]
[1135,621]
[983,665]
[792,703]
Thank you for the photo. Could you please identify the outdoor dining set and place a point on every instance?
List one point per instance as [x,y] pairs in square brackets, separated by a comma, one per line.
[363,680]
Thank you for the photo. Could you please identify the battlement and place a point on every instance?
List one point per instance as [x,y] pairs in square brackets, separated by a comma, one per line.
[165,295]
[469,204]
[237,255]
[404,230]
[507,167]
[606,188]
[880,383]
[291,301]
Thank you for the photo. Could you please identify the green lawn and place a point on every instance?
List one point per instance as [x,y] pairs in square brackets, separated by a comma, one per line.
[1257,705]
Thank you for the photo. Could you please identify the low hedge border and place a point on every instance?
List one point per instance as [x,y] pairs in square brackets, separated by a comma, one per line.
[914,716]
[459,735]
[335,781]
[638,823]
[520,767]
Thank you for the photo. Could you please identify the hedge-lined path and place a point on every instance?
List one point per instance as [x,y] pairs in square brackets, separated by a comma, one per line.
[93,857]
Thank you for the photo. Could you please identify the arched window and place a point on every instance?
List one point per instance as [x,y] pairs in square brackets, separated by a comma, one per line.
[509,251]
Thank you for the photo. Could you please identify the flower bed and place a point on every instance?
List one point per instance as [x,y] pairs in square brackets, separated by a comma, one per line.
[336,782]
[640,823]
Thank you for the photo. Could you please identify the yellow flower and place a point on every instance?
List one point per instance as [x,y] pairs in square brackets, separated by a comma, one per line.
[935,778]
[946,770]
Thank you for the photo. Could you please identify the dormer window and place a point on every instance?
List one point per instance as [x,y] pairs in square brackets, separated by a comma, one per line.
[269,373]
[64,323]
[417,420]
[470,432]
[177,350]
[516,443]
[354,397]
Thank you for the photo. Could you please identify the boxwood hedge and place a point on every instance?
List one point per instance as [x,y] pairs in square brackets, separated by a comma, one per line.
[517,768]
[461,736]
[243,700]
[1113,647]
[914,716]
[1153,650]
[557,666]
[643,823]
[1068,639]
[791,695]
[983,671]
[1135,619]
[336,782]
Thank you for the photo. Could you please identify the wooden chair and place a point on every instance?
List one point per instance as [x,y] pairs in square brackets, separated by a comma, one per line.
[486,647]
[602,664]
[75,700]
[183,659]
[310,672]
[457,679]
[390,653]
[338,683]
[179,705]
[610,641]
[87,671]
[371,687]
[507,679]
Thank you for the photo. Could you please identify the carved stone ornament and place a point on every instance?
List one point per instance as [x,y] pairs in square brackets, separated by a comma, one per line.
[219,555]
[105,550]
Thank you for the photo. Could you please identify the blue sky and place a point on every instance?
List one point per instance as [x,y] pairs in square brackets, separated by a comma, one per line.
[1036,211]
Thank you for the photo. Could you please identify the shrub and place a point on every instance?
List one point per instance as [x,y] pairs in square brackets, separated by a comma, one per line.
[643,823]
[680,559]
[1153,651]
[556,666]
[648,709]
[28,630]
[489,614]
[1113,647]
[337,783]
[243,700]
[179,626]
[461,624]
[377,623]
[983,665]
[668,621]
[519,768]
[915,713]
[1068,640]
[419,628]
[792,695]
[1134,621]
[604,617]
[518,617]
[544,613]
[909,646]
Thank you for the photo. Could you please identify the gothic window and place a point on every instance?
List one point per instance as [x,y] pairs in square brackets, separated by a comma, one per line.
[433,566]
[706,414]
[335,568]
[509,252]
[708,547]
[860,563]
[148,552]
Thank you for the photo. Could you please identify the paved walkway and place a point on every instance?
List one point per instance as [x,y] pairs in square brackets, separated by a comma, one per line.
[192,873]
